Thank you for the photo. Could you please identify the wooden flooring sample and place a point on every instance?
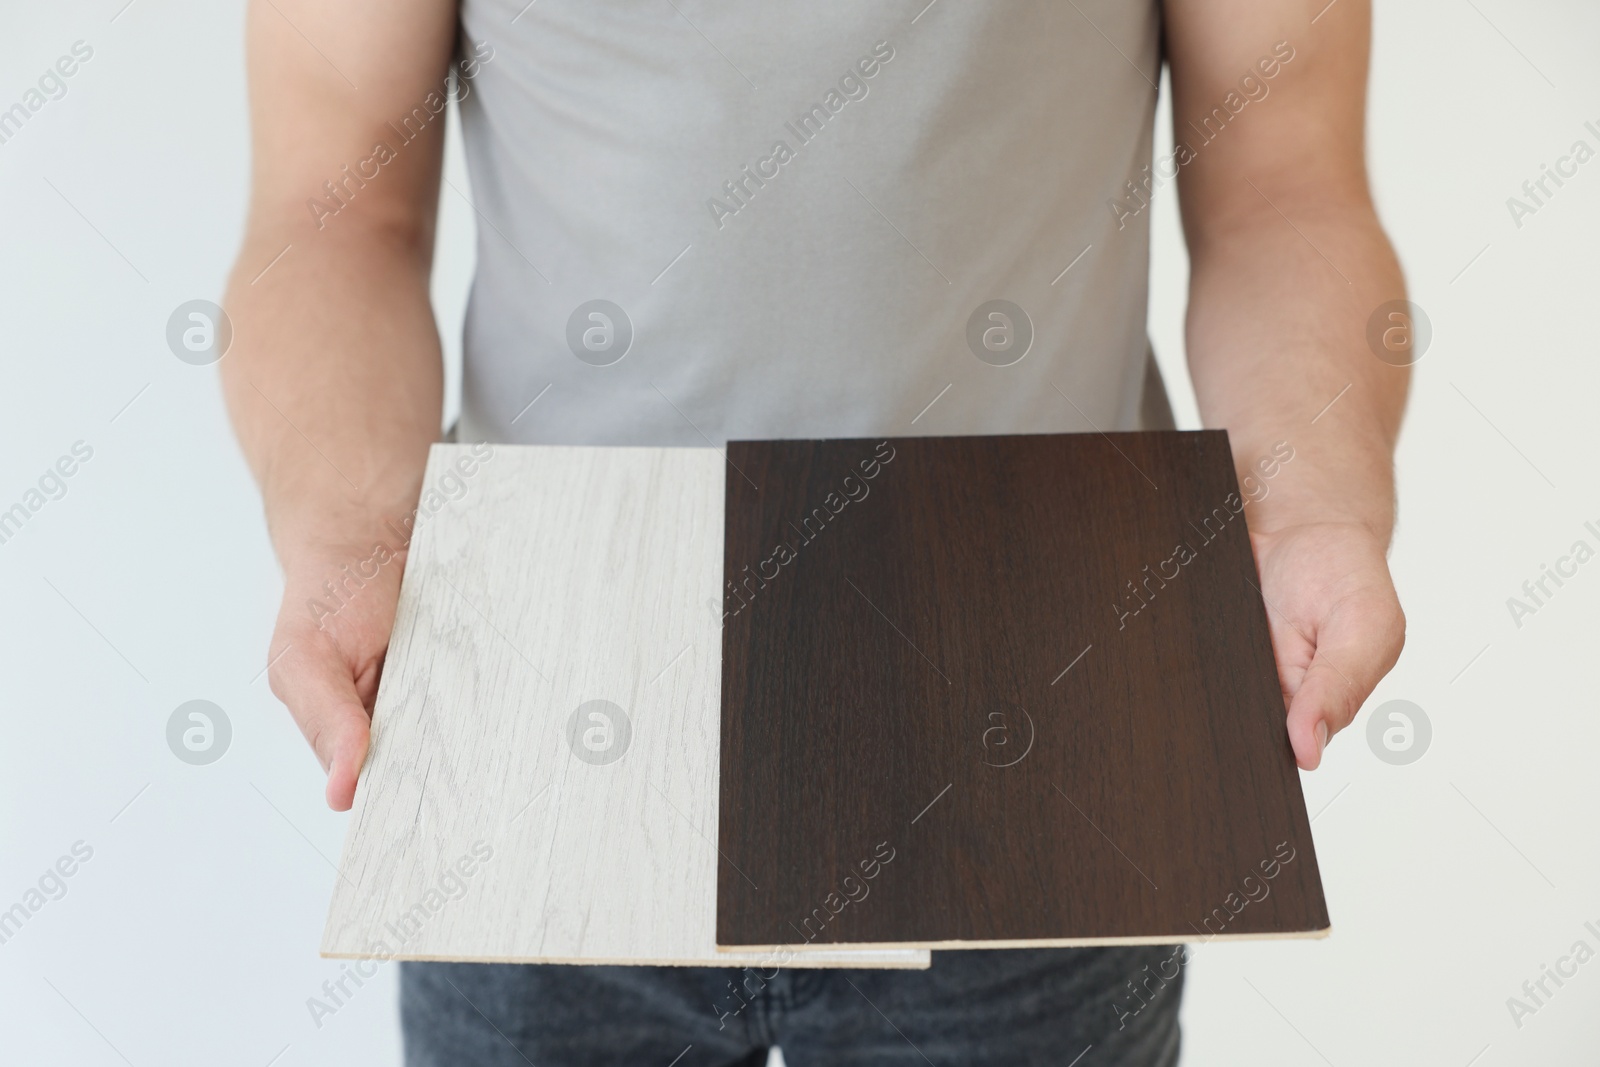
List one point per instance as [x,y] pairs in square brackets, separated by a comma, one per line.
[542,781]
[1002,691]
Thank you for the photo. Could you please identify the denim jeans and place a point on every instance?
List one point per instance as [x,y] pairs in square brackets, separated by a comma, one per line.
[1090,1007]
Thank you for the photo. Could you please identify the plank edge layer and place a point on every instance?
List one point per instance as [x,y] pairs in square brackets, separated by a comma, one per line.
[1048,942]
[913,960]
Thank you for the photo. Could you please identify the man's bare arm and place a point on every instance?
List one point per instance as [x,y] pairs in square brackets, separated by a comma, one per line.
[334,380]
[1288,263]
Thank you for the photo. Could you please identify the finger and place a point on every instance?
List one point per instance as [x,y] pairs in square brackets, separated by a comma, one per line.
[313,679]
[1356,646]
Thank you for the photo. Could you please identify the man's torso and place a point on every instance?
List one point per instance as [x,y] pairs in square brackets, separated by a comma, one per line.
[800,216]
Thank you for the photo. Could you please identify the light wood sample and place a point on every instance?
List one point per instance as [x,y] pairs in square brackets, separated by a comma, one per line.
[501,816]
[1002,691]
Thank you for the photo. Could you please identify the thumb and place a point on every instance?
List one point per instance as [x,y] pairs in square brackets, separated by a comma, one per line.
[313,679]
[1356,645]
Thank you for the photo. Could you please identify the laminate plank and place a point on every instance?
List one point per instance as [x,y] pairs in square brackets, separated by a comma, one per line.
[502,815]
[976,695]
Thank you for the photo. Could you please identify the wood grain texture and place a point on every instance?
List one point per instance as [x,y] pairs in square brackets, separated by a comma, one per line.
[487,826]
[959,710]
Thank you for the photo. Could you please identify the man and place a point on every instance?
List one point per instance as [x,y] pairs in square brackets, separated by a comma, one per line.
[798,215]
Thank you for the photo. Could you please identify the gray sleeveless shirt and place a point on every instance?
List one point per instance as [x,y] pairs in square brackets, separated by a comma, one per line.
[704,220]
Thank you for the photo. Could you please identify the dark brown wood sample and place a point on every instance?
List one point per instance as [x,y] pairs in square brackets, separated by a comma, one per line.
[1014,690]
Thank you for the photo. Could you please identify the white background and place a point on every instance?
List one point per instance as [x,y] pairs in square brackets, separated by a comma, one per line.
[190,936]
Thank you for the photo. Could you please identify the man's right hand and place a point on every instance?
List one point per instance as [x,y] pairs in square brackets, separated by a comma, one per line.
[334,380]
[328,649]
